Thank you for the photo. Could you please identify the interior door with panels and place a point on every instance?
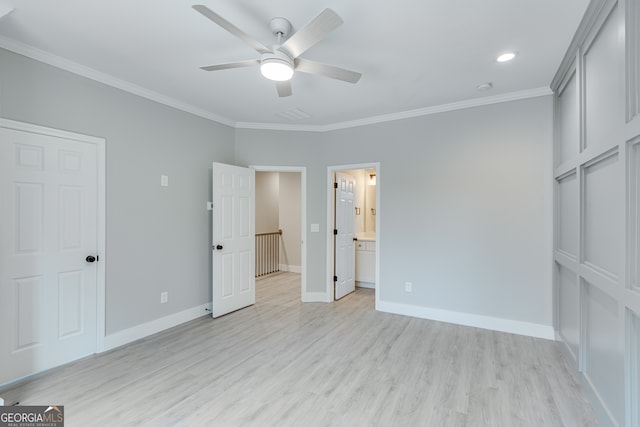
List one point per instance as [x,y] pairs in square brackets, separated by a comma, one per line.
[48,249]
[345,255]
[233,238]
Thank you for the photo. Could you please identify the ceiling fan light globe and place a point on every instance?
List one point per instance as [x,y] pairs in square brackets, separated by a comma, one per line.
[276,70]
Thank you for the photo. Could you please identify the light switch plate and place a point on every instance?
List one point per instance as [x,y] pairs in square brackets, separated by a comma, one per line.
[164,180]
[315,228]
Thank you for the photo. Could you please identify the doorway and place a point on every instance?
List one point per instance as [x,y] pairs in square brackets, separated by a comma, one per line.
[52,291]
[283,195]
[367,222]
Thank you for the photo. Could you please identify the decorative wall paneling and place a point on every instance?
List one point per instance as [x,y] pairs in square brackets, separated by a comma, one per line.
[597,208]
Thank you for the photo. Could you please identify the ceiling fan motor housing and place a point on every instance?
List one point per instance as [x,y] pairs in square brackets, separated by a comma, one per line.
[280,26]
[276,65]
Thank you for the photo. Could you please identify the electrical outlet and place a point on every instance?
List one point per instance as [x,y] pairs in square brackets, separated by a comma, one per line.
[164,297]
[408,287]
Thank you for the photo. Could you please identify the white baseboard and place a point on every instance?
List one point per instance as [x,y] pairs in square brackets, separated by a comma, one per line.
[144,330]
[367,285]
[315,297]
[291,268]
[475,320]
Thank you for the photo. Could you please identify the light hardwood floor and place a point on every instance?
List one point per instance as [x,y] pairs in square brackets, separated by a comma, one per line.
[285,363]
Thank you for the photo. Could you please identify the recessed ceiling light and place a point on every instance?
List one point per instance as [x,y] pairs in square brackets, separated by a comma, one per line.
[484,86]
[506,56]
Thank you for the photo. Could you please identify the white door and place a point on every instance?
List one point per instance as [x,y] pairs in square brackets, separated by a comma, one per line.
[48,227]
[345,265]
[233,238]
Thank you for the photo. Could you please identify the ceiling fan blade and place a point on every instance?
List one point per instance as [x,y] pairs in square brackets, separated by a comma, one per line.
[231,28]
[284,88]
[312,33]
[240,64]
[311,67]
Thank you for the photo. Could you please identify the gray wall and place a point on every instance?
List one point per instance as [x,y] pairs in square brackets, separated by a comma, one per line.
[157,239]
[597,210]
[465,204]
[465,195]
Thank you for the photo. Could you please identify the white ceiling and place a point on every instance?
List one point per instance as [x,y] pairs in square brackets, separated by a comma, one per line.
[414,54]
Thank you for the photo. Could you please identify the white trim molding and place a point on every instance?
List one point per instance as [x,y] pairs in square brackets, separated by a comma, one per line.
[467,319]
[143,330]
[90,73]
[477,102]
[100,144]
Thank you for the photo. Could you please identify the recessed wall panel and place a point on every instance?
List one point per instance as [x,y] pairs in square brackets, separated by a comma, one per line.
[29,157]
[226,210]
[242,183]
[244,258]
[568,213]
[28,312]
[603,106]
[29,217]
[633,181]
[70,303]
[568,122]
[633,324]
[71,226]
[632,29]
[604,355]
[69,161]
[603,199]
[569,308]
[244,217]
[227,274]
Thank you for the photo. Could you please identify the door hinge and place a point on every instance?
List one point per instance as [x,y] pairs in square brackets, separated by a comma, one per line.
[335,232]
[335,185]
[335,278]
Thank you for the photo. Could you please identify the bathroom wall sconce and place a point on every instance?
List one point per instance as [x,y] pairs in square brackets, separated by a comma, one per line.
[357,211]
[373,211]
[372,179]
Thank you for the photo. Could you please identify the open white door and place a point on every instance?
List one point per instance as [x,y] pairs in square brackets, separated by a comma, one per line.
[233,238]
[345,265]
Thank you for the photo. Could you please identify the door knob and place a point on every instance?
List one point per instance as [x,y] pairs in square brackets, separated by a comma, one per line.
[219,247]
[90,258]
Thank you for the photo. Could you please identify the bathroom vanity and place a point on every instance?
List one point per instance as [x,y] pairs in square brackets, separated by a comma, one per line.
[366,263]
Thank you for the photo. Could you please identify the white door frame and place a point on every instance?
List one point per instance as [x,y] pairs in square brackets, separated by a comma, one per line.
[331,170]
[303,219]
[101,211]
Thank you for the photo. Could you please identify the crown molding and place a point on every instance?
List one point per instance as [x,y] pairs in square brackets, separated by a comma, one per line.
[477,102]
[90,73]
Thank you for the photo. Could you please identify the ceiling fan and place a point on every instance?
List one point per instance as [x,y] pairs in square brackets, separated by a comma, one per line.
[279,61]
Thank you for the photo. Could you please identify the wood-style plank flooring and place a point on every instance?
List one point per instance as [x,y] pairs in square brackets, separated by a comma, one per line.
[285,363]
